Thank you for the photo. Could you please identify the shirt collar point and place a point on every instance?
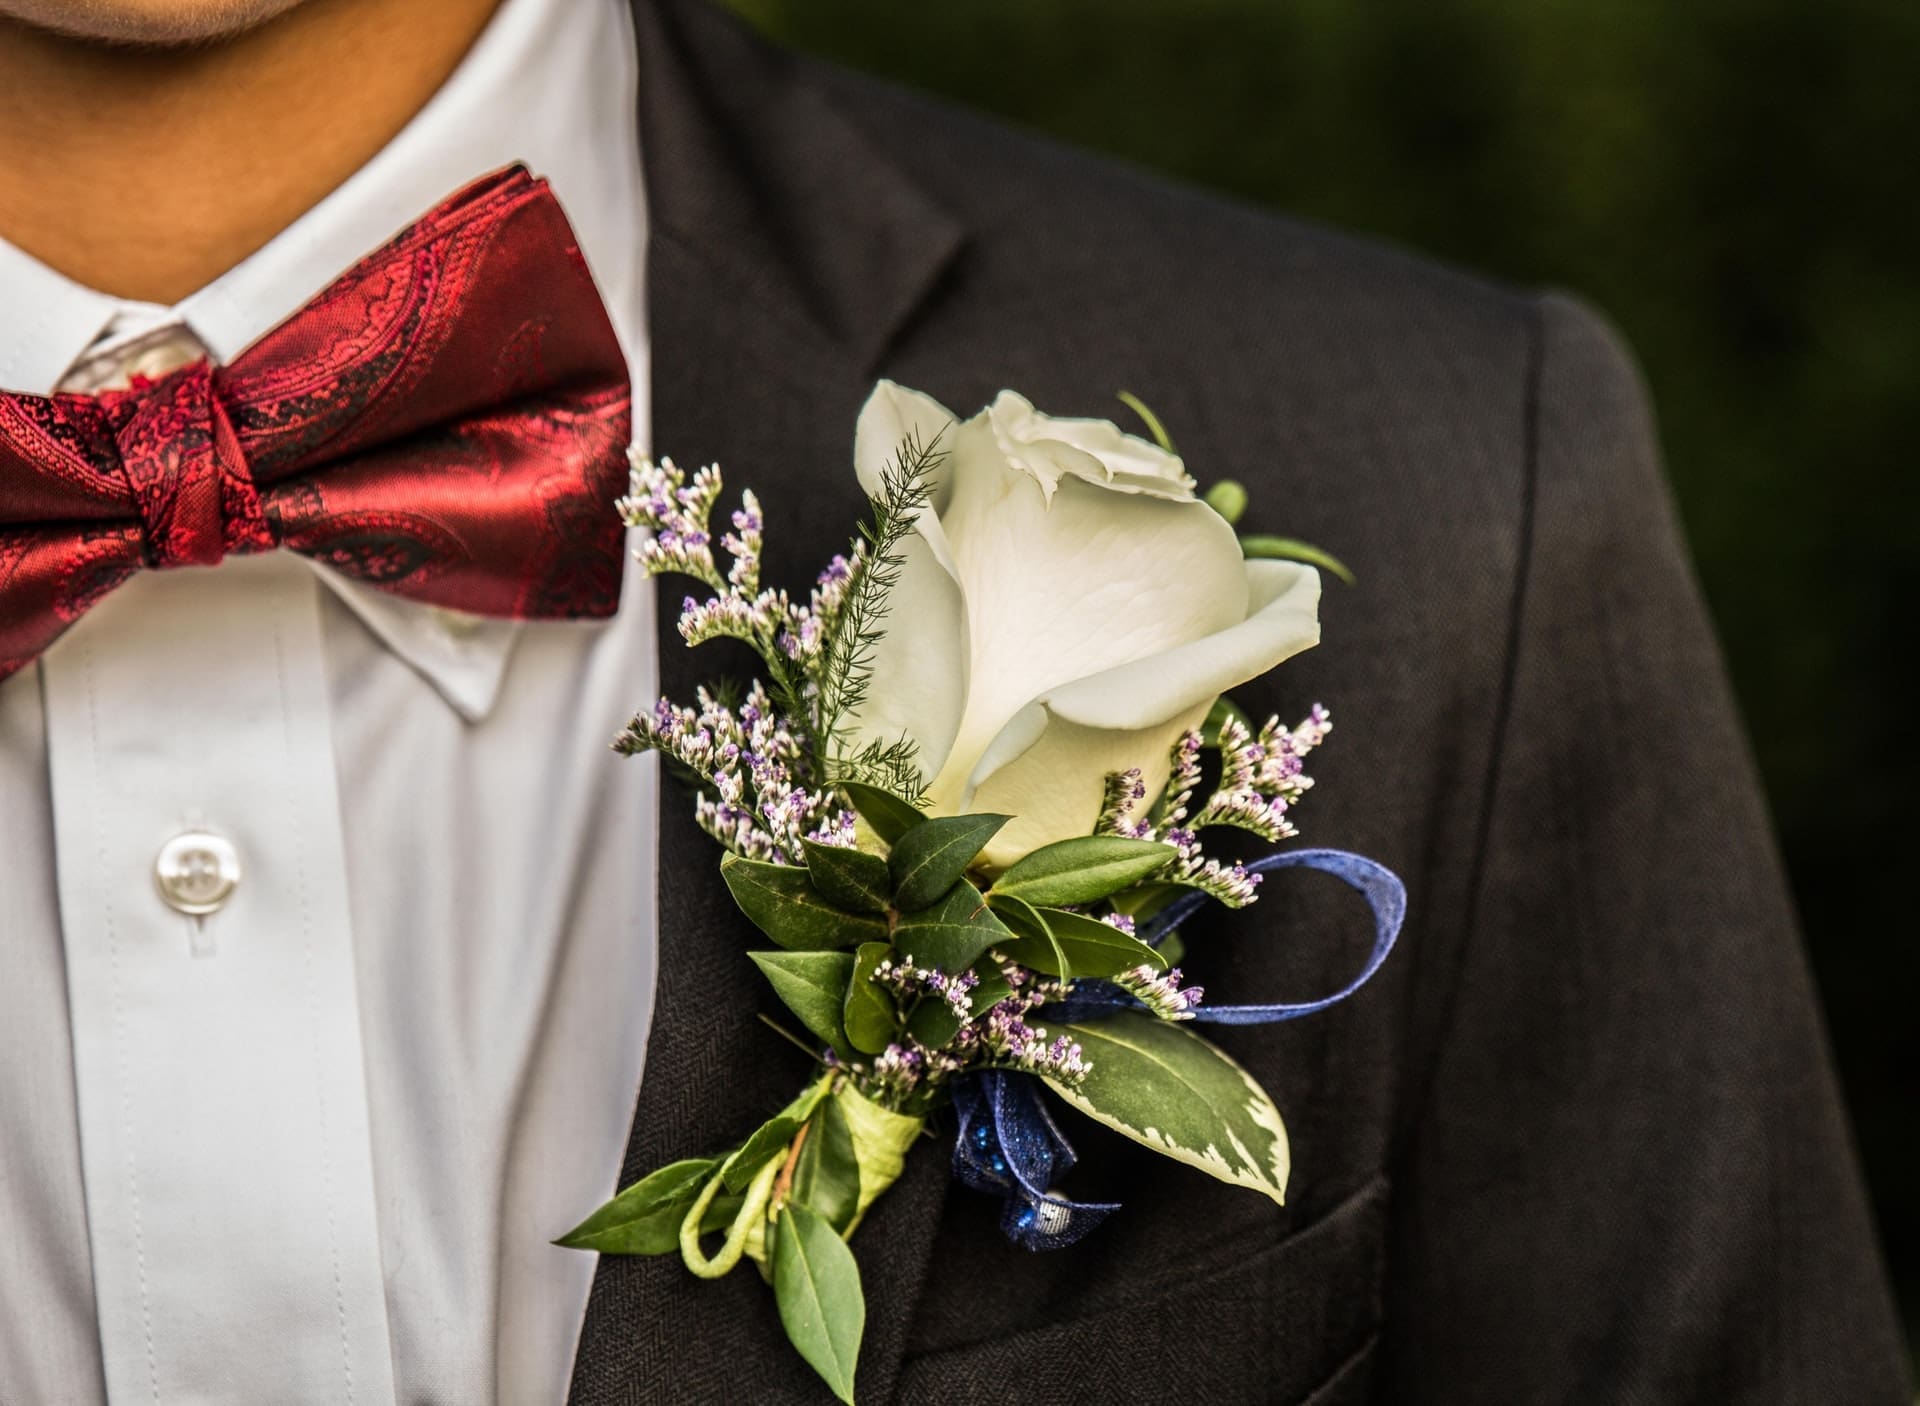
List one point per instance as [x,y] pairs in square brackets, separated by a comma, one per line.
[463,656]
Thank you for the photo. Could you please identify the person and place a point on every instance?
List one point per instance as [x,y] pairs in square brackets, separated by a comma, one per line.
[336,942]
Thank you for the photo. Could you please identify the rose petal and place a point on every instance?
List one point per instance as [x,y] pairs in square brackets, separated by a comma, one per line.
[1096,450]
[1060,592]
[1054,787]
[1285,619]
[892,414]
[1049,775]
[920,660]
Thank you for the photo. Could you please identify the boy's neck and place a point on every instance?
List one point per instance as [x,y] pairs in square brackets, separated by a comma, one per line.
[146,172]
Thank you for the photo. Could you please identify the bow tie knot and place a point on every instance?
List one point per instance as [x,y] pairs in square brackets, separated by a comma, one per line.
[184,471]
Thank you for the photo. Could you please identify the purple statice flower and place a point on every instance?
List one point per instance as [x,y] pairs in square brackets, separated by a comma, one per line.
[898,1069]
[1262,778]
[749,757]
[1160,992]
[1009,1042]
[830,589]
[757,619]
[908,981]
[1231,883]
[744,543]
[673,511]
[809,624]
[836,828]
[1125,793]
[1314,730]
[902,1069]
[1183,781]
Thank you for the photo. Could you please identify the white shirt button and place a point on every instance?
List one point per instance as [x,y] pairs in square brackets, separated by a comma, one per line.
[197,872]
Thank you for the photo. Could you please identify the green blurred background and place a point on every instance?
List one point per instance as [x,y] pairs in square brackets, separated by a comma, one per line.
[1733,181]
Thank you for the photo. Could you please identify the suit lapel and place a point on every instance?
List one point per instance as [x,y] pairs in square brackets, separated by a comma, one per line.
[783,257]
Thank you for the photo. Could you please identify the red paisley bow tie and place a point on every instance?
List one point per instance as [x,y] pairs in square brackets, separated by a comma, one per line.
[448,421]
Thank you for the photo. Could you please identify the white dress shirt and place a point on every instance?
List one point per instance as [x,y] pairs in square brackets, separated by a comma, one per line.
[312,1145]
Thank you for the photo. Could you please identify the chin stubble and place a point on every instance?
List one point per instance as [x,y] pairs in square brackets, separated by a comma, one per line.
[164,24]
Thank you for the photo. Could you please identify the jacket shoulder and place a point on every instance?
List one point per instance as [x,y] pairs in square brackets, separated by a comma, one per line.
[1064,226]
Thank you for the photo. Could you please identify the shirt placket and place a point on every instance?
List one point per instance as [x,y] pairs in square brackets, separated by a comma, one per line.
[217,1047]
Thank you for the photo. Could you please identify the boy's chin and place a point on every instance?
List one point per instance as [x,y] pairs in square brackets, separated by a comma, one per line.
[146,21]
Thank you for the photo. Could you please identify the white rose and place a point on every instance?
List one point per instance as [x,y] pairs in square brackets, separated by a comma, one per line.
[1066,609]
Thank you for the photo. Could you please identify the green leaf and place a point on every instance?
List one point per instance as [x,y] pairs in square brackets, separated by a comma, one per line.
[930,858]
[1077,931]
[1286,548]
[817,1285]
[783,903]
[993,987]
[769,1140]
[870,1016]
[1165,1087]
[1033,937]
[1143,901]
[826,1178]
[1088,946]
[645,1218]
[951,935]
[1082,870]
[1228,498]
[814,986]
[848,878]
[889,816]
[934,1022]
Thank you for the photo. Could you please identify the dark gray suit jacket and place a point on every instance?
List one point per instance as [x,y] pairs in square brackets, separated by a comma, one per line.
[1579,1141]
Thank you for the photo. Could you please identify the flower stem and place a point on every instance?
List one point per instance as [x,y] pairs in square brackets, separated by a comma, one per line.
[784,1182]
[751,1210]
[777,1028]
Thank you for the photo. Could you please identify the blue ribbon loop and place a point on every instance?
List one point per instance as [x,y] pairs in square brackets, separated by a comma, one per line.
[1376,883]
[1007,1143]
[1380,886]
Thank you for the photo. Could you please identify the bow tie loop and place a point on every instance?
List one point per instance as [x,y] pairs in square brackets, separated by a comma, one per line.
[447,421]
[185,473]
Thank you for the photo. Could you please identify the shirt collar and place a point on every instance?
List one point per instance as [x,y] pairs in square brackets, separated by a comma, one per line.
[550,84]
[54,320]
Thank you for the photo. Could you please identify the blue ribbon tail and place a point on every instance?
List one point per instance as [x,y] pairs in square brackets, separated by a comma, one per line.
[1008,1146]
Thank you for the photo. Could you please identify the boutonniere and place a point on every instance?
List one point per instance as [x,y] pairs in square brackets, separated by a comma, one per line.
[966,805]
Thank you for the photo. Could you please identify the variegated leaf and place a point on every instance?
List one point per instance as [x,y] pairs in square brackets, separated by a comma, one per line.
[1163,1086]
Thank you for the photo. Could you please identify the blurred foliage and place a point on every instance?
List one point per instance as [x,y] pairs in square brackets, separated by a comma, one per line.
[1733,181]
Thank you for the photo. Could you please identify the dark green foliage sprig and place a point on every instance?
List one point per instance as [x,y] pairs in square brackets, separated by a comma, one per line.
[847,652]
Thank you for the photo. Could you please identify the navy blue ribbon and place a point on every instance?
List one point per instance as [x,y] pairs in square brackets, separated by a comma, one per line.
[1376,883]
[1380,886]
[1007,1143]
